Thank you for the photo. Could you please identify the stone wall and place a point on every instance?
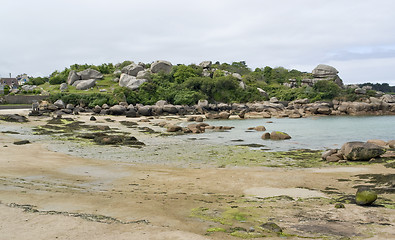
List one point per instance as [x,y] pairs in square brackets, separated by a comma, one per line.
[23,99]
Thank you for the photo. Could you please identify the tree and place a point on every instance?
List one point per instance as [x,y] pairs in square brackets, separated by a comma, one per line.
[267,73]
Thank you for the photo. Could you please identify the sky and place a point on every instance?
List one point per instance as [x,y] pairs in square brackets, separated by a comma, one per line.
[357,37]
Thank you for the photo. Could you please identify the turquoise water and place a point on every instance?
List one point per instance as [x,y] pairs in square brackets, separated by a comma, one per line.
[307,133]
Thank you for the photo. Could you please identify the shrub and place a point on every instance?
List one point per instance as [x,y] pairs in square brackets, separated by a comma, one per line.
[57,79]
[183,72]
[188,97]
[328,89]
[6,90]
[37,81]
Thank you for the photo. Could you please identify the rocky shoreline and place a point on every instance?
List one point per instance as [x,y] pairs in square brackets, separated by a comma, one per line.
[384,105]
[76,176]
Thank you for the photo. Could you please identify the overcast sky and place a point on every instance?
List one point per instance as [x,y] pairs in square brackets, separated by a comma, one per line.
[357,37]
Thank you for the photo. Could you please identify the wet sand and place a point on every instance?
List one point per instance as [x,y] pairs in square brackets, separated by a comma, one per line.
[76,195]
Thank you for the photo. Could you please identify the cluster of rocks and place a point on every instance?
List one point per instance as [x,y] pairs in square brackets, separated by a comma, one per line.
[358,151]
[321,72]
[274,135]
[82,80]
[193,127]
[384,105]
[134,75]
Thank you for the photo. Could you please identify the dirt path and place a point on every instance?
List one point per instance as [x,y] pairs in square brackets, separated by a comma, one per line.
[48,195]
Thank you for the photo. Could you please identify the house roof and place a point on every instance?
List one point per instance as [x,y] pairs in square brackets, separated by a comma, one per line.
[9,81]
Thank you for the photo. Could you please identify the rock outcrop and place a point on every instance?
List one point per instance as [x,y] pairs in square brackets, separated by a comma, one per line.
[85,79]
[326,72]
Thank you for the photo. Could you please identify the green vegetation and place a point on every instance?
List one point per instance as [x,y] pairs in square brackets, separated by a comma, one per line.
[6,89]
[383,87]
[187,84]
[37,81]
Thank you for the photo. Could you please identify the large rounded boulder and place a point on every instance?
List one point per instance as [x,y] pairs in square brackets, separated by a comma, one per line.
[324,71]
[132,69]
[361,151]
[277,135]
[130,82]
[117,110]
[161,66]
[90,74]
[84,84]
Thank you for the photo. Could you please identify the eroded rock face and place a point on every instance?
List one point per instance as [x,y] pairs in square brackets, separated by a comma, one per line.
[161,65]
[360,151]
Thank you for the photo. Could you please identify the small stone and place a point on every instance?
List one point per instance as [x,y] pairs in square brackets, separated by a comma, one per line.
[339,205]
[92,118]
[260,128]
[365,196]
[22,142]
[266,136]
[271,226]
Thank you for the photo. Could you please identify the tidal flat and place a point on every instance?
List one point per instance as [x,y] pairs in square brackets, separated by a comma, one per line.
[66,183]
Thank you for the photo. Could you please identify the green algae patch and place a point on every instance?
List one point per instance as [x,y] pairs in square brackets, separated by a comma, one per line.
[228,216]
[244,156]
[68,129]
[216,229]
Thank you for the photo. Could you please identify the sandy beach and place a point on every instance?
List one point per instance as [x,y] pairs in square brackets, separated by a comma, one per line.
[54,188]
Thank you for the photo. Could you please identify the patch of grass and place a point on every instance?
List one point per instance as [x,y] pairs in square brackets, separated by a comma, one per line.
[216,229]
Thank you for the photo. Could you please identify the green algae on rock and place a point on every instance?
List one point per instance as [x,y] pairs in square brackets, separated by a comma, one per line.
[365,196]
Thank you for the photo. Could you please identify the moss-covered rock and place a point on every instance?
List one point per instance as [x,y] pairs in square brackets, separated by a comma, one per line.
[272,227]
[365,196]
[277,135]
[360,151]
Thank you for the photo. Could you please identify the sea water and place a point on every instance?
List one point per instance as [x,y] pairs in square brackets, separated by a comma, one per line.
[317,133]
